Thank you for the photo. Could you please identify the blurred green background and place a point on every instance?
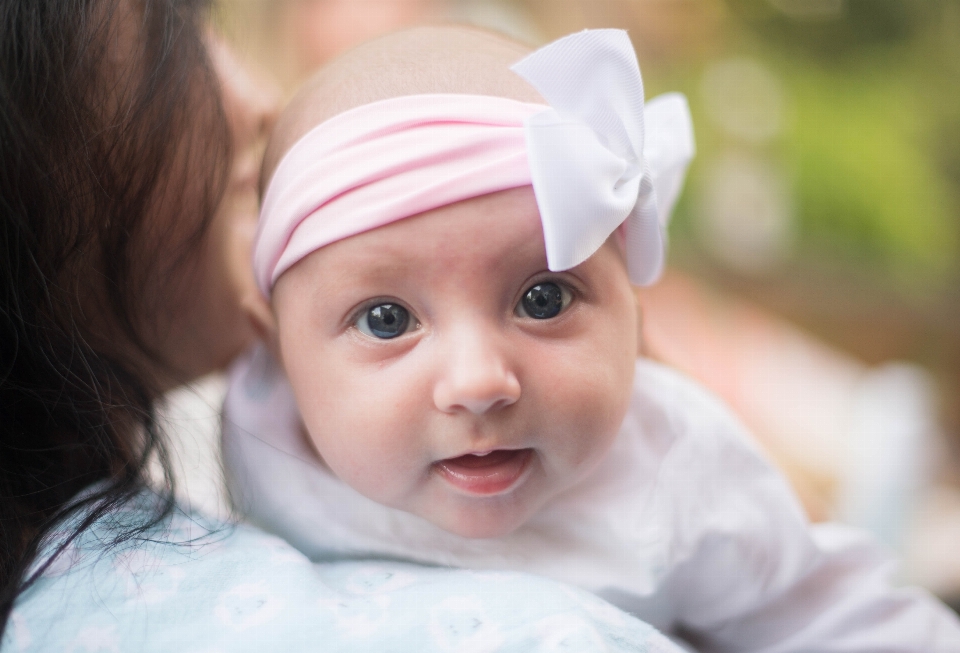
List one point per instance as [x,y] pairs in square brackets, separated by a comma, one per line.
[856,181]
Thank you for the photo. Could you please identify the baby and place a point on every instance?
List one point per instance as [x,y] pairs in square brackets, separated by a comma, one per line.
[447,243]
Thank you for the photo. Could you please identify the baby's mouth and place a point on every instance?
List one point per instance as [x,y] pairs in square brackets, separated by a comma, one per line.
[487,473]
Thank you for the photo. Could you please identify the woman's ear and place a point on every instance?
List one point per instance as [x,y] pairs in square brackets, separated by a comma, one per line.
[260,315]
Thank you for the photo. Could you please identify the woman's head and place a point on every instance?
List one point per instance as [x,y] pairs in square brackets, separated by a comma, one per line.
[116,152]
[121,185]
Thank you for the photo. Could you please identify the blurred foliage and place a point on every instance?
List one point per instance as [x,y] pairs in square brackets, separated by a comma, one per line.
[873,134]
[867,184]
[829,30]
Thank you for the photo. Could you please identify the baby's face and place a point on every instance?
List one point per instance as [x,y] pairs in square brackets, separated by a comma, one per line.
[441,369]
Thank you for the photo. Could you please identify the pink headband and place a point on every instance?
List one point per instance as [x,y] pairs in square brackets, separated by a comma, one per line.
[585,156]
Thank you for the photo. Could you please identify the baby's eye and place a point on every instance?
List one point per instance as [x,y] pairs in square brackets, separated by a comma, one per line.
[543,301]
[384,321]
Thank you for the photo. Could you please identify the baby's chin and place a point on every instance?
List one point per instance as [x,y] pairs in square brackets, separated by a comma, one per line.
[485,518]
[481,528]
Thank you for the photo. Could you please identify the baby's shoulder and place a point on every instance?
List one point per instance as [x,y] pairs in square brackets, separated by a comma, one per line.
[714,486]
[700,448]
[667,403]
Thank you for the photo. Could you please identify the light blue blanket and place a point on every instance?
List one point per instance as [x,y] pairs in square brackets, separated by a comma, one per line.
[186,589]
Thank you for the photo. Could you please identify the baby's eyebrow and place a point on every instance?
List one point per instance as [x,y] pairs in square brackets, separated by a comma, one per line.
[370,265]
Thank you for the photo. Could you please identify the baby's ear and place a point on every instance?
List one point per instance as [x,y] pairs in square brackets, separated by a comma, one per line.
[642,349]
[260,315]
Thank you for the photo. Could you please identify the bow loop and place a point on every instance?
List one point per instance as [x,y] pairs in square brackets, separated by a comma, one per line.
[592,77]
[588,152]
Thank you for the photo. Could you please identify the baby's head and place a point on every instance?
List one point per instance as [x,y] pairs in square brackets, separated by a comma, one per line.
[443,362]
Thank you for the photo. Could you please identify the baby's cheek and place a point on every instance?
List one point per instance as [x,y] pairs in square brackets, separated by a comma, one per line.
[592,406]
[368,435]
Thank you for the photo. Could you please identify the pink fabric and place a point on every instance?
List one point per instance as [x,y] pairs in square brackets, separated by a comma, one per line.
[383,162]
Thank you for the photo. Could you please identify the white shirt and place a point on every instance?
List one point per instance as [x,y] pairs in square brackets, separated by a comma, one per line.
[684,524]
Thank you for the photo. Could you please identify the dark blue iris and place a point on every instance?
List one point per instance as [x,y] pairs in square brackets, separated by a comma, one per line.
[387,320]
[543,301]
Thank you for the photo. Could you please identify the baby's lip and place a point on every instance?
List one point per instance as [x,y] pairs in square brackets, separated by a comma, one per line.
[485,473]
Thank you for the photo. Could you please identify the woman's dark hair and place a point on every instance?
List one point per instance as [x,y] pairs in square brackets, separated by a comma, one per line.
[109,109]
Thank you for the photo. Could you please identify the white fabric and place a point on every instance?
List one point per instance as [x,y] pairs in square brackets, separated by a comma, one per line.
[590,165]
[684,524]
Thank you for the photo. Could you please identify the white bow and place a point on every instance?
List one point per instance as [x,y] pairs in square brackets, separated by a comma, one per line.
[592,162]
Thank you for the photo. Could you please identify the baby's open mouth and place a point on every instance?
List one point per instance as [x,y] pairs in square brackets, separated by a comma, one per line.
[488,473]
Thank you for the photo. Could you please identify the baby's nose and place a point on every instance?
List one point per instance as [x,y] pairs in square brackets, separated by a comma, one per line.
[476,377]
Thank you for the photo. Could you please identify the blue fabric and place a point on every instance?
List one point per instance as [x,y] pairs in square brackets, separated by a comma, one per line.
[195,586]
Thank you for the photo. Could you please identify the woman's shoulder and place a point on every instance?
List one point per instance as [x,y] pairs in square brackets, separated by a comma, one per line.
[193,584]
[167,584]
